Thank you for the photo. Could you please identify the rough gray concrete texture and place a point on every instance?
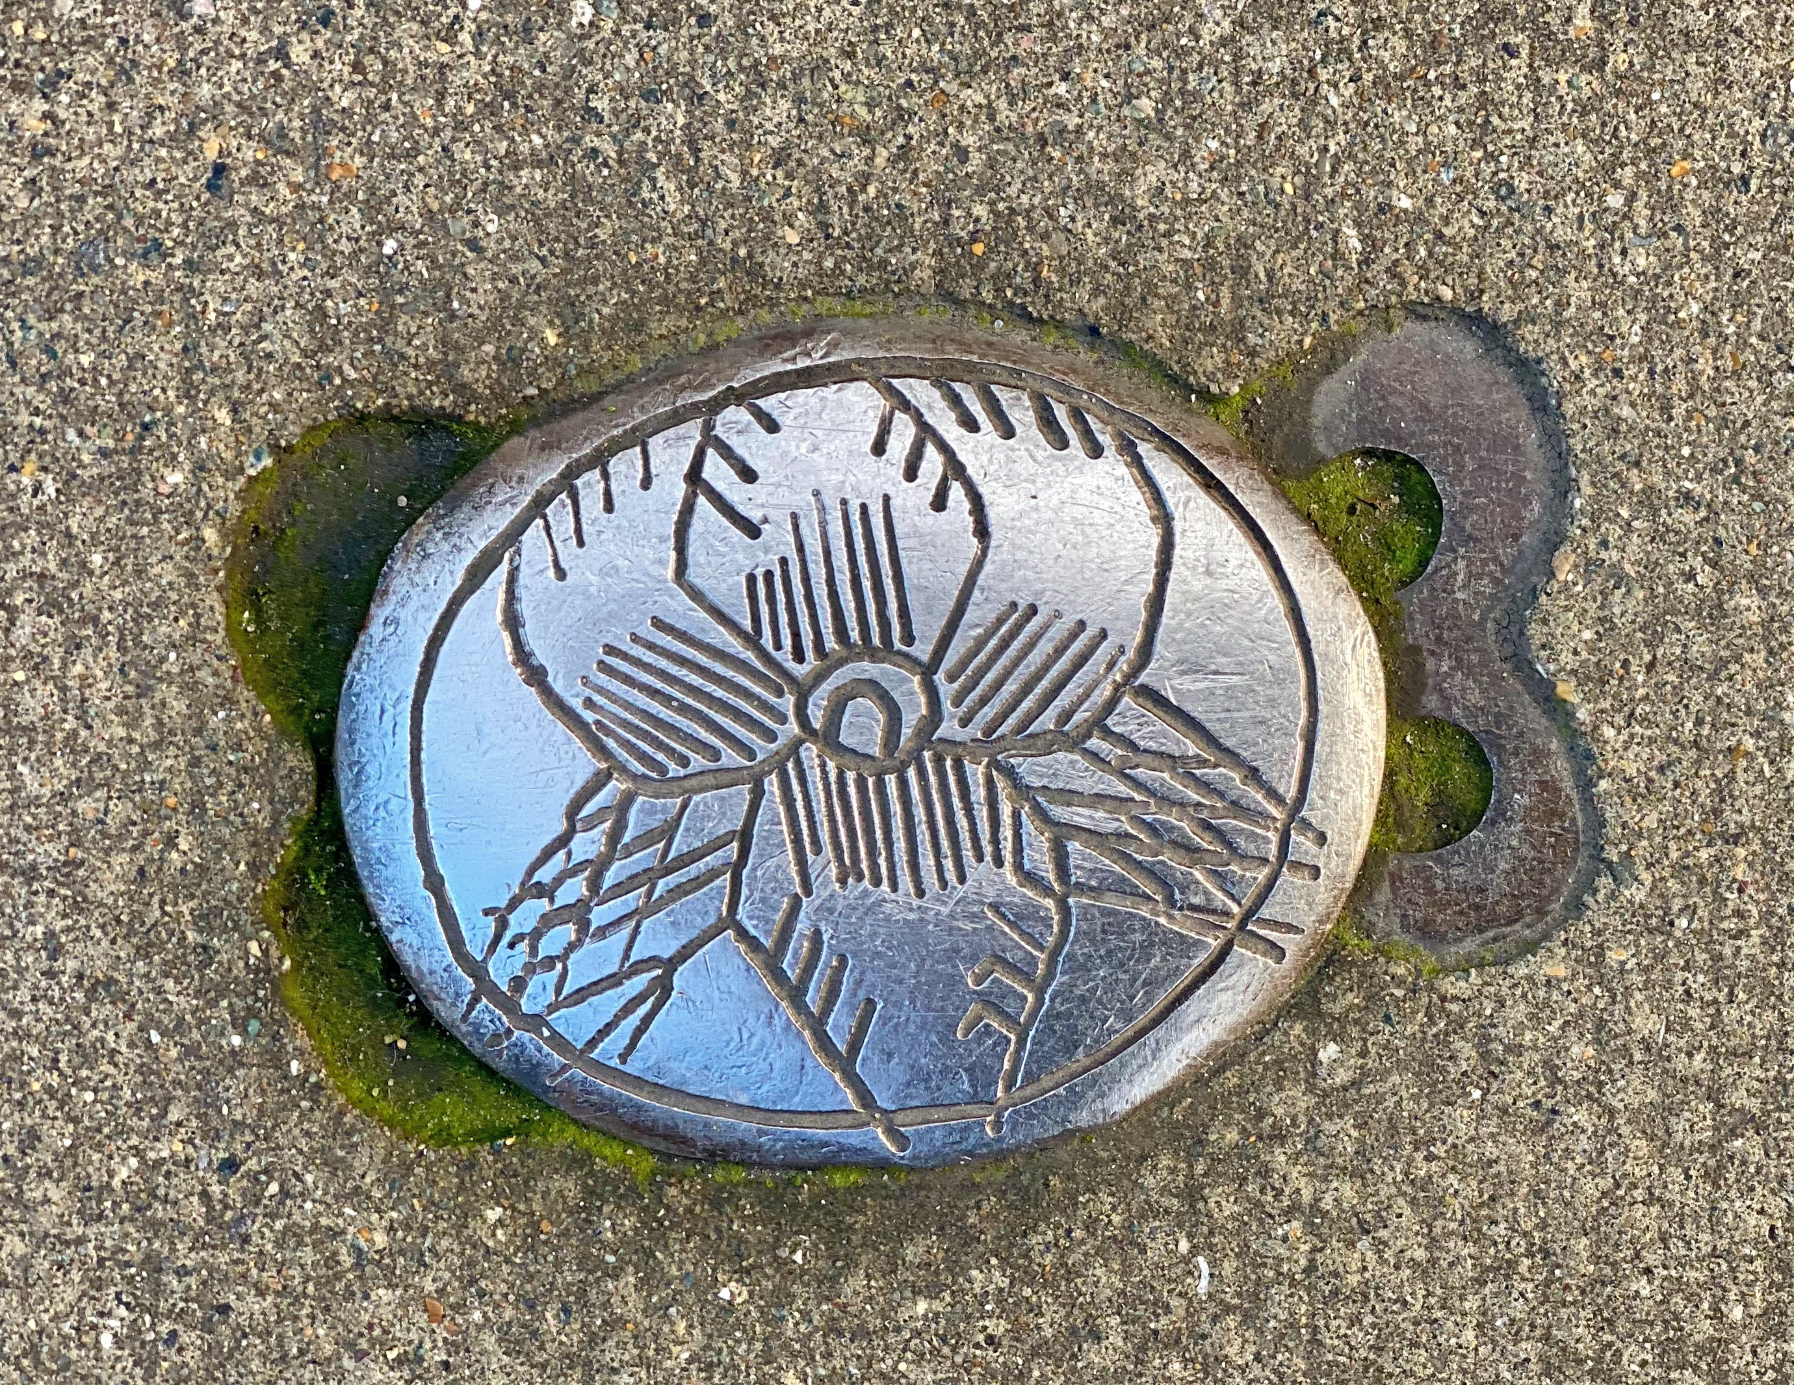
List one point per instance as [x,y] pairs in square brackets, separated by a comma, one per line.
[225,221]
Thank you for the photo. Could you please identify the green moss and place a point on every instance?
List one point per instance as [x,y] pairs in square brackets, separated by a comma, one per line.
[1437,782]
[1230,410]
[1382,510]
[385,1053]
[315,529]
[1349,937]
[1380,514]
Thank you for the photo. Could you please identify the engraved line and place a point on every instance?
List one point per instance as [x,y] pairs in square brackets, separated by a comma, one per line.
[593,989]
[977,643]
[1048,421]
[607,502]
[661,903]
[738,666]
[671,731]
[1077,700]
[862,798]
[850,824]
[800,775]
[906,828]
[906,630]
[677,706]
[828,994]
[831,829]
[770,595]
[1109,849]
[768,424]
[780,942]
[794,833]
[837,616]
[809,956]
[832,1058]
[651,836]
[854,586]
[993,819]
[887,829]
[1044,666]
[943,792]
[1000,423]
[720,503]
[612,844]
[998,680]
[744,472]
[817,644]
[943,486]
[962,788]
[572,826]
[875,578]
[1060,681]
[930,824]
[992,654]
[703,697]
[997,968]
[579,524]
[952,470]
[1116,805]
[645,476]
[881,435]
[1189,922]
[862,1026]
[1087,439]
[1213,805]
[752,588]
[554,553]
[956,406]
[1198,735]
[664,866]
[980,1013]
[627,733]
[662,987]
[912,458]
[740,691]
[793,628]
[1031,943]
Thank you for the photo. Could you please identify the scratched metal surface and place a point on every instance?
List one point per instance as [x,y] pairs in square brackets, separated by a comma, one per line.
[867,743]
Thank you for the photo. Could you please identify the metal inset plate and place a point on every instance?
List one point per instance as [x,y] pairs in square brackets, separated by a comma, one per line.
[868,743]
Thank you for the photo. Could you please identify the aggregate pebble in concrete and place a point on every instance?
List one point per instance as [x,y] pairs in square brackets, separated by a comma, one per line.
[223,222]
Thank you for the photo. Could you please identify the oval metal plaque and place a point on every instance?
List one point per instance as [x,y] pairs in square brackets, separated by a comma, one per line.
[867,743]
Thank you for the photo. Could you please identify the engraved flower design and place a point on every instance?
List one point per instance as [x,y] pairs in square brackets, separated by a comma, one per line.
[842,644]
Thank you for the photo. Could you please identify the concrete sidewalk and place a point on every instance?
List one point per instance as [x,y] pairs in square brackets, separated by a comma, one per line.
[225,222]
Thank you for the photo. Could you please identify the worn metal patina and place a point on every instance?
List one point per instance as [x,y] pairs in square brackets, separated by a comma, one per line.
[865,743]
[1441,390]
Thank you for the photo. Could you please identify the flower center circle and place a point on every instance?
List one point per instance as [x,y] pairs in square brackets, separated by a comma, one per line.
[871,711]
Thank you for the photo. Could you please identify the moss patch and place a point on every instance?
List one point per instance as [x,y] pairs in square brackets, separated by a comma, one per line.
[1230,410]
[1380,514]
[316,527]
[1437,782]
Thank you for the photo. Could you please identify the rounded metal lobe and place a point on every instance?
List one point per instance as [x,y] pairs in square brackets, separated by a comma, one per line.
[934,747]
